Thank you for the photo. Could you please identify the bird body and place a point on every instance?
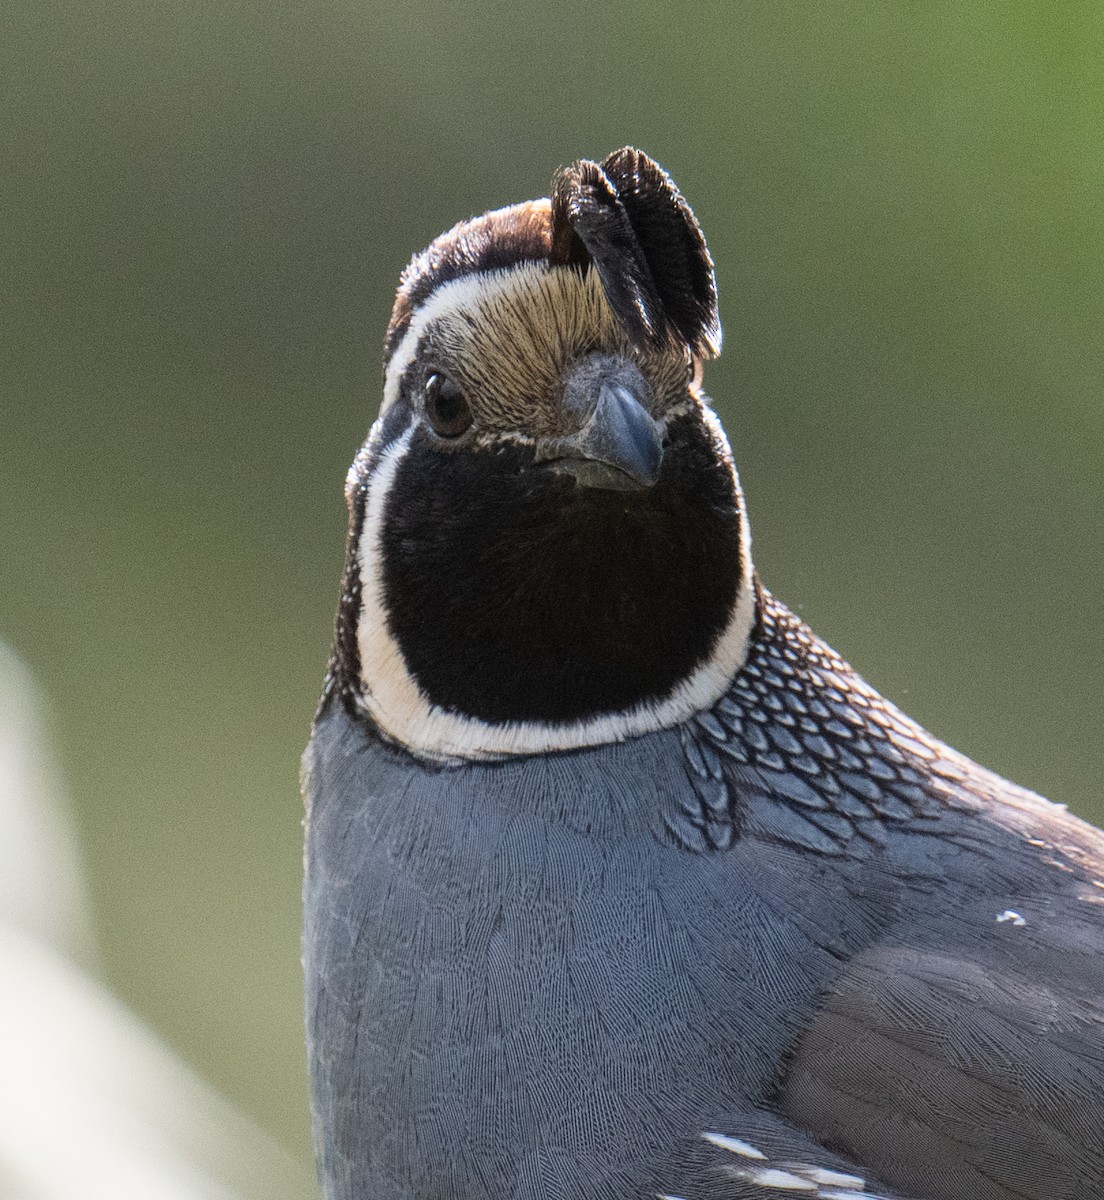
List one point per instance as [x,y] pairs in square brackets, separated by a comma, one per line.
[620,882]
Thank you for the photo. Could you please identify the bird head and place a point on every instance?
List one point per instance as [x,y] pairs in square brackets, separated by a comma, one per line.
[548,547]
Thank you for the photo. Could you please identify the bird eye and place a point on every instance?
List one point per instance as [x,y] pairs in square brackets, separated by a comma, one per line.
[445,406]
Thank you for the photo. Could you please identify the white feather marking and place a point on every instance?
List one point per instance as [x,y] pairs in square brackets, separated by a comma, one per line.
[733,1145]
[782,1181]
[833,1179]
[1010,915]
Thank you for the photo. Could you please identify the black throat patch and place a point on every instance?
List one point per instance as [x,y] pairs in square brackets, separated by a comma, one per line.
[516,595]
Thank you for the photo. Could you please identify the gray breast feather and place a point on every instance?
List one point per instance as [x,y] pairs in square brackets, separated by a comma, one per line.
[519,985]
[487,984]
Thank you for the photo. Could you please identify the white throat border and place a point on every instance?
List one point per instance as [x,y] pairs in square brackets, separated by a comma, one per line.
[392,699]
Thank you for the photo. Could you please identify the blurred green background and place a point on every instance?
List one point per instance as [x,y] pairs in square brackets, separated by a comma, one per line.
[206,208]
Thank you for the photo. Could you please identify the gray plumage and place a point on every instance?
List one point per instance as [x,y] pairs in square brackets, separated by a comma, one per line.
[524,978]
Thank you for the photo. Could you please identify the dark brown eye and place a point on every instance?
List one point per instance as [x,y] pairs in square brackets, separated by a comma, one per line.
[446,407]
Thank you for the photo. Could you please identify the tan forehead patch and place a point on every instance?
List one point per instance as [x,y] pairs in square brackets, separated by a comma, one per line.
[509,342]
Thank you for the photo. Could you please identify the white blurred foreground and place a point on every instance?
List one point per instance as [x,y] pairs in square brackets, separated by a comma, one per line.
[92,1104]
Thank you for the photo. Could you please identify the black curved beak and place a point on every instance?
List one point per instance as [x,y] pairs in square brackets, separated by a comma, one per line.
[620,448]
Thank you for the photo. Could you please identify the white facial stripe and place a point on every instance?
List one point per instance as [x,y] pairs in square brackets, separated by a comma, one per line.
[456,296]
[394,701]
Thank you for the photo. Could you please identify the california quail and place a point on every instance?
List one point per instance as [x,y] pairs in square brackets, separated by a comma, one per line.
[620,882]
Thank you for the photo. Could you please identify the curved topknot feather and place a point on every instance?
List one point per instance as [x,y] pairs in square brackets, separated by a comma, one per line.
[591,227]
[673,245]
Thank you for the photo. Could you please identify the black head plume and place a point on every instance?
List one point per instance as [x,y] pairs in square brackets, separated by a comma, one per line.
[673,246]
[590,227]
[626,218]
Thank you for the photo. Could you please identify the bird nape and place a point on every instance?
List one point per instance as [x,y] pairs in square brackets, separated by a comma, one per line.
[620,882]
